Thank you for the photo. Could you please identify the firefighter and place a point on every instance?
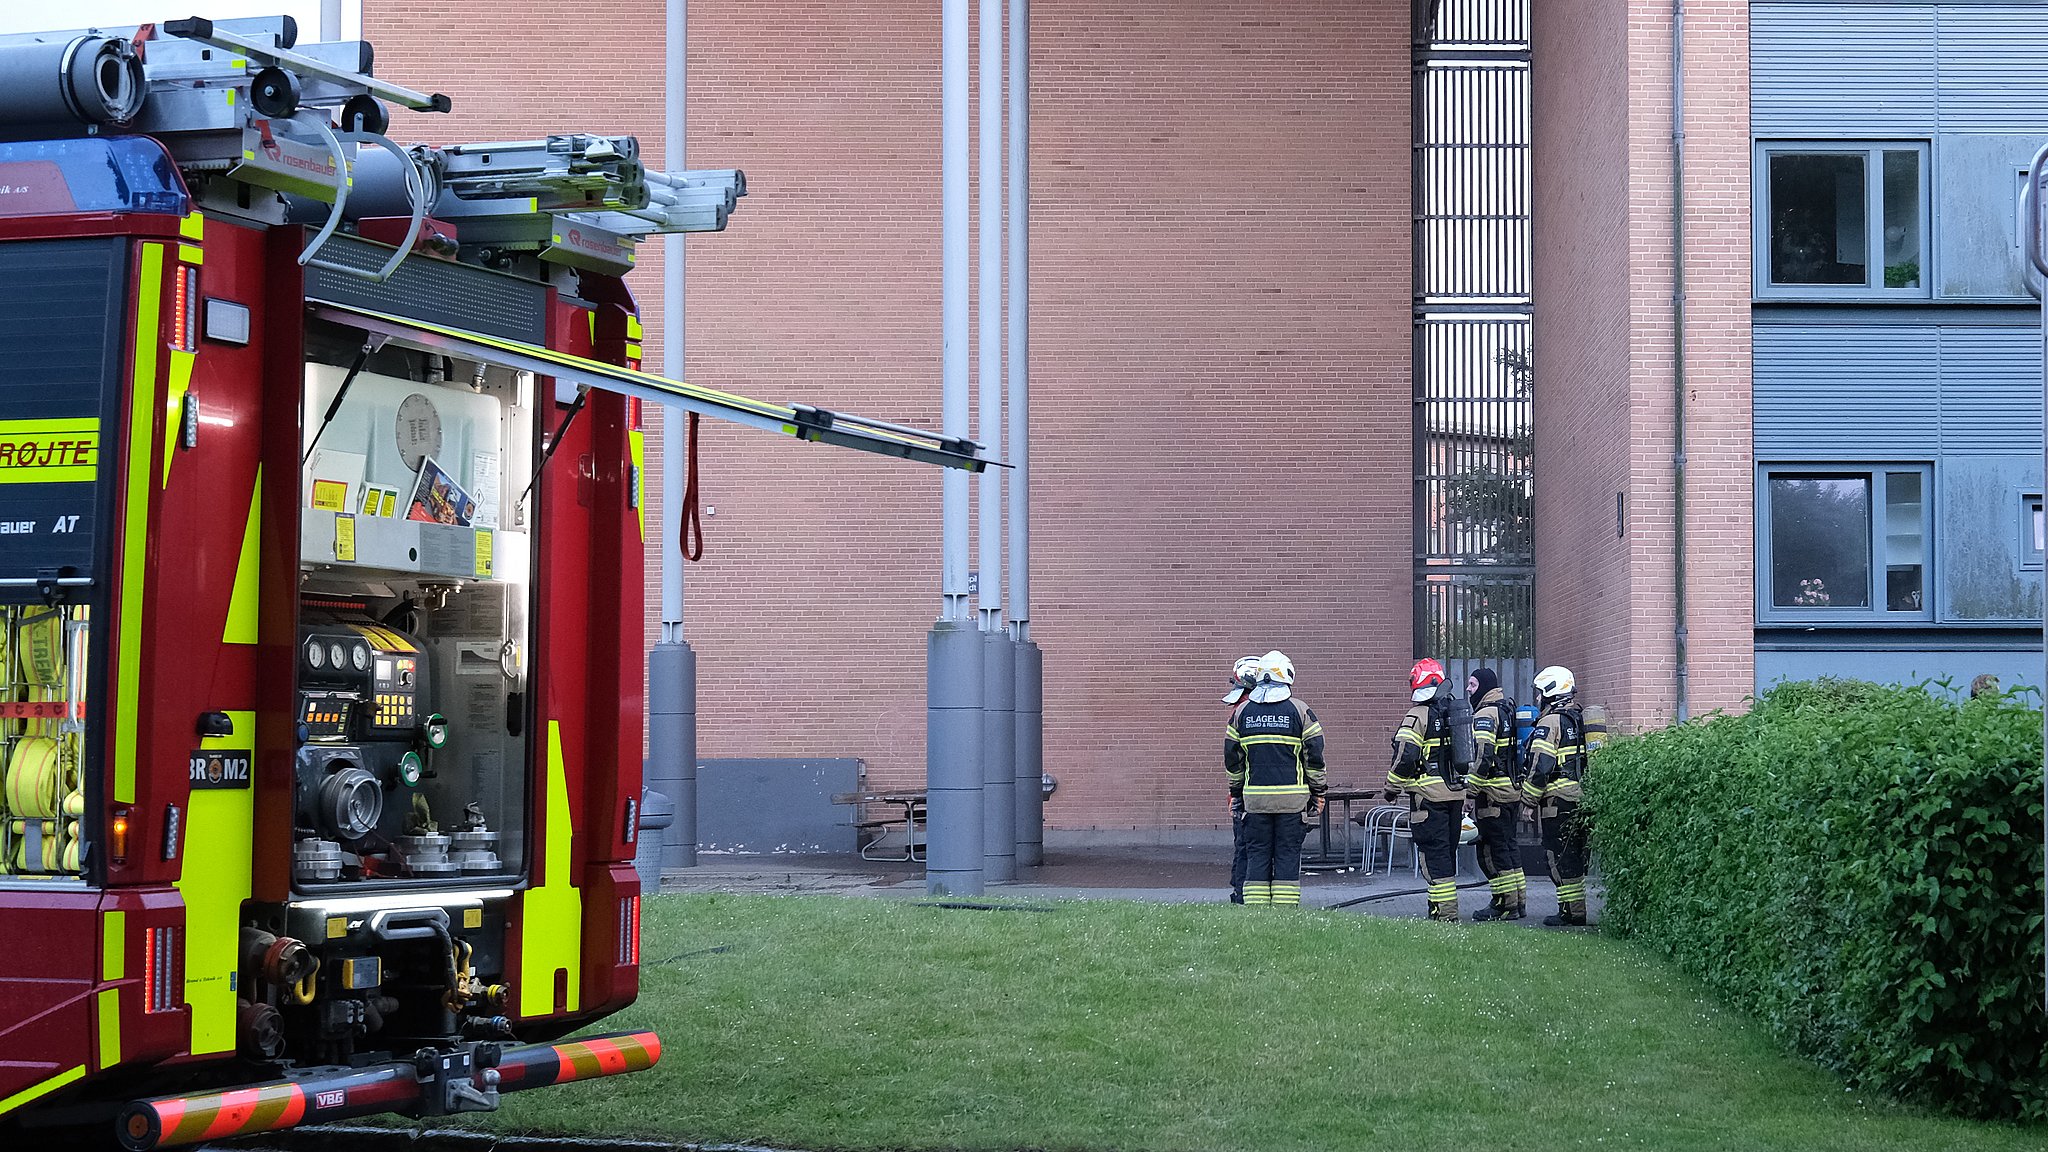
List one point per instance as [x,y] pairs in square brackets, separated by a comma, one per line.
[1273,750]
[1422,769]
[1557,762]
[1496,796]
[1244,676]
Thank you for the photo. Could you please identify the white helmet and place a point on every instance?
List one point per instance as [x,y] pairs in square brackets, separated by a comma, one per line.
[1555,681]
[1244,676]
[1276,675]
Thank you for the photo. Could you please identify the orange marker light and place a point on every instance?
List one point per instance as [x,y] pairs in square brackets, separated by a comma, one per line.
[117,840]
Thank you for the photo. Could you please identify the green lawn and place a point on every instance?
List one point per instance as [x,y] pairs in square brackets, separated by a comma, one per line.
[835,1023]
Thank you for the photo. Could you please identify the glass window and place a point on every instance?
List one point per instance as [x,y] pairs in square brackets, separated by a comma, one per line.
[1818,232]
[1842,220]
[1905,545]
[1845,542]
[2033,531]
[1901,219]
[1820,541]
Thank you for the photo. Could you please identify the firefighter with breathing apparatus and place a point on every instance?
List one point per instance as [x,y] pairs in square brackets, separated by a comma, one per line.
[1557,763]
[1424,769]
[1273,751]
[1496,796]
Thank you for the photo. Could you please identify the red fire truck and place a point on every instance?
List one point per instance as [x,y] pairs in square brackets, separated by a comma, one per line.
[320,587]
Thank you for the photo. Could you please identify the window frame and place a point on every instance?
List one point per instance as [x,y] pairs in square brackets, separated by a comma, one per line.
[1873,193]
[2030,507]
[1873,472]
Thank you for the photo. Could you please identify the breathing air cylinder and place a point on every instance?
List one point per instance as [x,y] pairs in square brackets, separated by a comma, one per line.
[86,80]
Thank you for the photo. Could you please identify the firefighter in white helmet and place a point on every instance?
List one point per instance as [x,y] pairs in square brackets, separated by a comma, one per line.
[1273,751]
[1557,762]
[1244,676]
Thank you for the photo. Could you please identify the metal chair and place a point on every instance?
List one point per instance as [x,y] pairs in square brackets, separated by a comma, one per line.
[1388,822]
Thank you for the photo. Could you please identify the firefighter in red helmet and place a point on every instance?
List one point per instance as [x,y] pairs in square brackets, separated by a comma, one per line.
[1423,770]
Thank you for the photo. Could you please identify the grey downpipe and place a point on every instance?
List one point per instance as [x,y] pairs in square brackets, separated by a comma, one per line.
[672,665]
[953,649]
[1678,631]
[1030,710]
[999,668]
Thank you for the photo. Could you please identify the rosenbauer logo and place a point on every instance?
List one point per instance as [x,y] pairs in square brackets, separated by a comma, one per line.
[302,159]
[49,451]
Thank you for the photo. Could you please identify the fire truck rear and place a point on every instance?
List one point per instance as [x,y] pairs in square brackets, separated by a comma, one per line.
[320,575]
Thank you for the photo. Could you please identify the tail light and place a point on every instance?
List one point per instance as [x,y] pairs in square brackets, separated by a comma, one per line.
[635,415]
[629,930]
[163,971]
[185,309]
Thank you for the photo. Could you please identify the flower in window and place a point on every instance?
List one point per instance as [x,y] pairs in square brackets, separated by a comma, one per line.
[1812,594]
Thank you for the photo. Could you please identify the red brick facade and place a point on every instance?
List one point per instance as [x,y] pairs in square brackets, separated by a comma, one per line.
[1604,353]
[1220,360]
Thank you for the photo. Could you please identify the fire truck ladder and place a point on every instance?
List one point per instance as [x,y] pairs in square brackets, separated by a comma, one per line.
[803,421]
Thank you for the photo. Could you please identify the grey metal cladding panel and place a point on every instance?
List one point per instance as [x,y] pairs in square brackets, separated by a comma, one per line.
[1841,69]
[1990,391]
[456,295]
[1844,392]
[1993,77]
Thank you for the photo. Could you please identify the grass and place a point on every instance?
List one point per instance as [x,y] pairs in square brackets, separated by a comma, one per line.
[834,1023]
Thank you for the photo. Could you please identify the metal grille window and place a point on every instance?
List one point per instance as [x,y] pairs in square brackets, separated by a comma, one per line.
[1474,528]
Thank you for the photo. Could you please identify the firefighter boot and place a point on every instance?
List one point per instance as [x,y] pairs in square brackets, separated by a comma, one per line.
[1495,910]
[1518,902]
[1444,910]
[1570,914]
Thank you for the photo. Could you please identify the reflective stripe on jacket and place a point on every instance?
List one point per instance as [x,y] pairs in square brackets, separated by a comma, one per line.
[1422,754]
[1493,730]
[1557,754]
[1274,754]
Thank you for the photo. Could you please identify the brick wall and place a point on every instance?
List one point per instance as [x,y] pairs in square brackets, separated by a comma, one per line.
[1604,330]
[1221,296]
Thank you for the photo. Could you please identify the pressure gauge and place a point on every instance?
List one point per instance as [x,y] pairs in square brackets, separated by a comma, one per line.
[361,656]
[336,655]
[316,655]
[418,430]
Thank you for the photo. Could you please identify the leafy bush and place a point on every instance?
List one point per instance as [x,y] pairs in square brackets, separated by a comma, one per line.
[1861,866]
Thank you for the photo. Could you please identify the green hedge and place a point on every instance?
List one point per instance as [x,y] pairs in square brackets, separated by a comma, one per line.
[1857,864]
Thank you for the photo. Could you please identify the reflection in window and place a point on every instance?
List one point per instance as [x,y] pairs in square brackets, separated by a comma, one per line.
[1818,231]
[1905,546]
[1820,541]
[1902,219]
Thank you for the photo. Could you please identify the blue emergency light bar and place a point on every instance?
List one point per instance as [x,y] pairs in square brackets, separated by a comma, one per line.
[91,174]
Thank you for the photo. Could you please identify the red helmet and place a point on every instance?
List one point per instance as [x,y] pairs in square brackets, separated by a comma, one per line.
[1424,678]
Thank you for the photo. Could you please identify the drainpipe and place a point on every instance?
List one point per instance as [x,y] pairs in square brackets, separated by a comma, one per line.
[1678,636]
[672,663]
[1030,676]
[954,647]
[998,665]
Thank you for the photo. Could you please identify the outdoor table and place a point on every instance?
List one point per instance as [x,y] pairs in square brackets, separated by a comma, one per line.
[1339,859]
[913,804]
